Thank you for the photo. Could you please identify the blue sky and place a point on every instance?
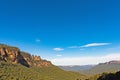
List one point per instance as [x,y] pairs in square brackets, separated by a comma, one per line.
[61,30]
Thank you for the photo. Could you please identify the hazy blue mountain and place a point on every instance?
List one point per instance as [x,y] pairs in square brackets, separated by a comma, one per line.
[76,67]
[111,66]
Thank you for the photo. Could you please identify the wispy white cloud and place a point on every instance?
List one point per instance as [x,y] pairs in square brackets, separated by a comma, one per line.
[37,40]
[73,47]
[82,49]
[86,60]
[90,45]
[58,49]
[59,55]
[95,44]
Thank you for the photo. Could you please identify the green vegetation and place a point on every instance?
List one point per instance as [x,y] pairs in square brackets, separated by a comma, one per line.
[9,71]
[110,76]
[40,69]
[8,47]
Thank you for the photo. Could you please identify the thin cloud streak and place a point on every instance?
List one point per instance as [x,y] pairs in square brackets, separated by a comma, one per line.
[95,44]
[37,40]
[58,49]
[59,55]
[73,47]
[90,45]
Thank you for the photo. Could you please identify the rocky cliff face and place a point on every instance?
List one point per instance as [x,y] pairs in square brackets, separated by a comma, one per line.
[10,54]
[33,60]
[111,62]
[15,56]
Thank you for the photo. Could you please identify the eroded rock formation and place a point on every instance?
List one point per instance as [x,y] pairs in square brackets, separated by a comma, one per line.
[15,56]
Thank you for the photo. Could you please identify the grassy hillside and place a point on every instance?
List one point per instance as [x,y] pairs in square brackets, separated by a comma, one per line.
[19,72]
[38,69]
[10,71]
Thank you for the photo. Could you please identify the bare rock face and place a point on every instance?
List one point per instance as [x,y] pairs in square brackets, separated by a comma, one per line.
[36,58]
[111,62]
[12,55]
[15,56]
[33,60]
[2,52]
[7,54]
[114,62]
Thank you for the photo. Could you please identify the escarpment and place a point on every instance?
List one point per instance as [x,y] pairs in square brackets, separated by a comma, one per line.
[14,55]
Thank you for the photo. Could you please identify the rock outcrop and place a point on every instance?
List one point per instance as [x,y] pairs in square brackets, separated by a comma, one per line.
[111,62]
[33,60]
[15,56]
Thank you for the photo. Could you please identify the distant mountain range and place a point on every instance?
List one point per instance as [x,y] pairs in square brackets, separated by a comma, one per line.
[111,66]
[76,67]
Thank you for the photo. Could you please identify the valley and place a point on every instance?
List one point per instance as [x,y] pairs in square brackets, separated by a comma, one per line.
[17,65]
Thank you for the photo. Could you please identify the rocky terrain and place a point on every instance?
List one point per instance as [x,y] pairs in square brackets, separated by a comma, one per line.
[111,62]
[14,56]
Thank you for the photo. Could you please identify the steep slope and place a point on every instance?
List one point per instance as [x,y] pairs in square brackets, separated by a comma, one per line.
[17,65]
[15,56]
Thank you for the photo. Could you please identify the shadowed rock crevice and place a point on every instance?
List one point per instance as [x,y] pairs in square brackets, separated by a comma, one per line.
[22,61]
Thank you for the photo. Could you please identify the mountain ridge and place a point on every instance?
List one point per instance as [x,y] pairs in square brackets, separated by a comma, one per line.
[19,65]
[111,62]
[14,56]
[76,67]
[107,67]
